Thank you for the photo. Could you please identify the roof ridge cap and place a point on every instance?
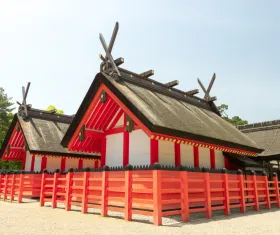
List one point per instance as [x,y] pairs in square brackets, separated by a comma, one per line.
[259,124]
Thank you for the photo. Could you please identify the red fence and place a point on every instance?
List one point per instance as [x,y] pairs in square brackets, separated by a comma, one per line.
[16,186]
[159,193]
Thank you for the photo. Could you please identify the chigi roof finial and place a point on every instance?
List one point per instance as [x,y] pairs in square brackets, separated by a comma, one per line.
[22,110]
[109,65]
[207,96]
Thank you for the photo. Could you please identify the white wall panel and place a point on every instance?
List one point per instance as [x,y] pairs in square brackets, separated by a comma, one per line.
[88,163]
[166,153]
[139,148]
[219,159]
[187,158]
[204,157]
[114,150]
[53,163]
[28,161]
[71,163]
[37,163]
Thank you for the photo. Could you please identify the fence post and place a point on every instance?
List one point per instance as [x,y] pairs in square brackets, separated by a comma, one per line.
[185,212]
[276,183]
[242,195]
[54,199]
[104,199]
[128,193]
[12,188]
[256,197]
[268,206]
[6,185]
[1,177]
[85,191]
[226,193]
[208,206]
[42,193]
[68,197]
[157,214]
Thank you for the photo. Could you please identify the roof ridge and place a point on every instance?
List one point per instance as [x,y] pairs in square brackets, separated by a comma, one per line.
[259,124]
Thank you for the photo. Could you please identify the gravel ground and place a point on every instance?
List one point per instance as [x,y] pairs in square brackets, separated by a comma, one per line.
[28,218]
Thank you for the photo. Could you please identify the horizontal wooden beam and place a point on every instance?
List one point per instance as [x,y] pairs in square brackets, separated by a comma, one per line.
[211,99]
[172,83]
[119,61]
[94,133]
[192,92]
[147,74]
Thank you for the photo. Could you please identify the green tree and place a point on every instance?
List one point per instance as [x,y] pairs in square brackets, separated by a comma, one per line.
[6,117]
[235,120]
[53,108]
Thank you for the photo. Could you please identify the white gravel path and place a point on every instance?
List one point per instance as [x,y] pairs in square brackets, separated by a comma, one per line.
[29,218]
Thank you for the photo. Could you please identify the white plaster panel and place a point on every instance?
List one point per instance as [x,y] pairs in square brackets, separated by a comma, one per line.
[37,163]
[53,163]
[88,163]
[71,163]
[114,150]
[187,158]
[166,153]
[219,159]
[204,157]
[28,161]
[139,148]
[120,122]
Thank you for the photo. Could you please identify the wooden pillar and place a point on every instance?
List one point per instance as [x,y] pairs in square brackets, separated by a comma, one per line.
[68,197]
[23,162]
[54,192]
[157,213]
[226,192]
[185,212]
[242,195]
[6,186]
[12,188]
[80,164]
[196,156]
[96,164]
[63,164]
[212,159]
[276,183]
[85,191]
[43,163]
[125,148]
[255,191]
[153,151]
[1,189]
[104,196]
[226,163]
[103,152]
[128,193]
[208,206]
[266,186]
[177,150]
[32,163]
[42,193]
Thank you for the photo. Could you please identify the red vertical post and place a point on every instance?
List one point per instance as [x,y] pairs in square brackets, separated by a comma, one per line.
[242,195]
[185,212]
[32,163]
[226,192]
[85,191]
[177,150]
[267,196]
[23,162]
[256,196]
[80,164]
[276,183]
[1,188]
[153,151]
[68,193]
[6,186]
[128,193]
[96,164]
[157,213]
[212,159]
[42,193]
[43,163]
[62,164]
[226,163]
[12,188]
[103,152]
[54,192]
[125,145]
[208,206]
[195,156]
[104,199]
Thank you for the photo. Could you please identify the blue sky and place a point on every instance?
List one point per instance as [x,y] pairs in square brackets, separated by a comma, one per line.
[55,46]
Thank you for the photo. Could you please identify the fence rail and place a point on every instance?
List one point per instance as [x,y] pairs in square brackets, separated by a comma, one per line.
[154,191]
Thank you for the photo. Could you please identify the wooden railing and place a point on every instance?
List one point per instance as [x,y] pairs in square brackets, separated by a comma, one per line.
[19,185]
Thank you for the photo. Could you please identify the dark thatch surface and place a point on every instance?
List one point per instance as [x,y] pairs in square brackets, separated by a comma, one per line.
[167,111]
[266,135]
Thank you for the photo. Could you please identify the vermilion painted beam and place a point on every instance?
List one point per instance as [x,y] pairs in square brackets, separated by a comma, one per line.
[115,131]
[109,117]
[107,107]
[32,162]
[44,163]
[177,154]
[153,151]
[125,145]
[212,159]
[117,118]
[63,164]
[94,115]
[196,156]
[94,134]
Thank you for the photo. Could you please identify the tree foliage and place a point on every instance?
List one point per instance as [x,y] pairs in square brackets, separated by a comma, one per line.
[235,120]
[6,117]
[53,108]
